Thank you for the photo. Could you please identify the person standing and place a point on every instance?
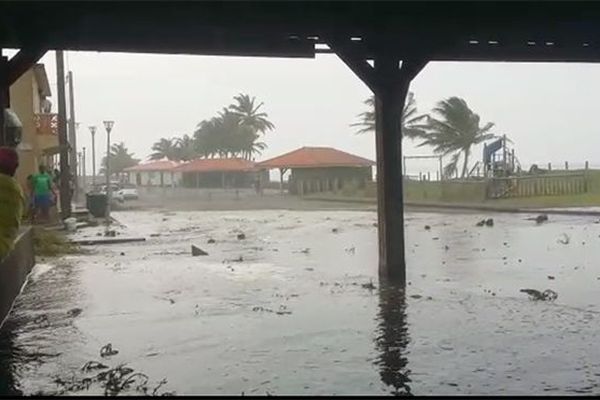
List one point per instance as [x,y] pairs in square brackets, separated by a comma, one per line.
[11,200]
[43,194]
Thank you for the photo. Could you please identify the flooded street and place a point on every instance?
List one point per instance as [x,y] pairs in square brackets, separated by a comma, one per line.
[297,308]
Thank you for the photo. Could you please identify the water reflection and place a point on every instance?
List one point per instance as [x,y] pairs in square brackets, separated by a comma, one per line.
[392,338]
[8,354]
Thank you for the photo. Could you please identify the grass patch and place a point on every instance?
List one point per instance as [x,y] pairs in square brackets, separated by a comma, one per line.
[48,243]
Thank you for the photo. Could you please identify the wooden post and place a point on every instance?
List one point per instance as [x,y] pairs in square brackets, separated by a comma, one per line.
[428,175]
[441,169]
[4,93]
[281,172]
[587,165]
[567,165]
[389,80]
[549,166]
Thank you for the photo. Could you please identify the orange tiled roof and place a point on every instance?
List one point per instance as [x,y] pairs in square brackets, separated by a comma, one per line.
[316,157]
[217,165]
[161,165]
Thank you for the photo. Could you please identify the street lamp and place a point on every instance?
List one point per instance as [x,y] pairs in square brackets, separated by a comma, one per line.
[93,132]
[108,125]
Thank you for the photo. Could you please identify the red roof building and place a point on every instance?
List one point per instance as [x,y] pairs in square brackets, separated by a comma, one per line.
[320,169]
[217,165]
[218,173]
[160,165]
[154,173]
[316,157]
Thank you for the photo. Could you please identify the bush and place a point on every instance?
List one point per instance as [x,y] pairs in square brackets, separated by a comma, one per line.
[51,243]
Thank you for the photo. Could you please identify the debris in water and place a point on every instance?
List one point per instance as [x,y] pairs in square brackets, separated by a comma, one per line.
[446,248]
[154,234]
[489,222]
[350,250]
[107,351]
[74,312]
[110,233]
[309,269]
[304,251]
[241,236]
[334,230]
[122,253]
[211,241]
[369,285]
[565,239]
[92,365]
[541,218]
[436,238]
[550,277]
[416,296]
[427,227]
[548,294]
[196,251]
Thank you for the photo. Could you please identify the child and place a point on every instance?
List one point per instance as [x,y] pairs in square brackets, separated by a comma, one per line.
[11,200]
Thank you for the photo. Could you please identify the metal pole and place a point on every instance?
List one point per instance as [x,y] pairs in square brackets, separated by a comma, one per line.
[441,169]
[73,136]
[93,131]
[83,170]
[65,189]
[107,172]
[108,126]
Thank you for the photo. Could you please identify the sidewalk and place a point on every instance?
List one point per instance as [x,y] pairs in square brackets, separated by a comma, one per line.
[464,206]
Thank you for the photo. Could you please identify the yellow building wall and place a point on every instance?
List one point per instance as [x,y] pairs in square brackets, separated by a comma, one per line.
[25,102]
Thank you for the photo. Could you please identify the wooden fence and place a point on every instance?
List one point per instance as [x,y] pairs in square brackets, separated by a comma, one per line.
[540,185]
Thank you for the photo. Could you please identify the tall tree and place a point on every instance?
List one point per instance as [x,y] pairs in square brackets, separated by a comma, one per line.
[454,130]
[250,114]
[411,121]
[120,158]
[165,148]
[185,148]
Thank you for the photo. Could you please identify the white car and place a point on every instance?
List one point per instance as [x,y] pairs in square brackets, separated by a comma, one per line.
[129,193]
[115,194]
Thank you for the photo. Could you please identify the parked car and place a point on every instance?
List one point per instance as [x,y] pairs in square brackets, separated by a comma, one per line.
[129,193]
[115,193]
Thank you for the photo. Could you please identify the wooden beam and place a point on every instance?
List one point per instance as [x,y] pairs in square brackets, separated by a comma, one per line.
[355,61]
[23,61]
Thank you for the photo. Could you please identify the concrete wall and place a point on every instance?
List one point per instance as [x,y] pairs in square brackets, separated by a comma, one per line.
[153,178]
[311,180]
[14,270]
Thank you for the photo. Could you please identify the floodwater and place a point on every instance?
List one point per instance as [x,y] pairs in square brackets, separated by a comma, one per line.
[298,314]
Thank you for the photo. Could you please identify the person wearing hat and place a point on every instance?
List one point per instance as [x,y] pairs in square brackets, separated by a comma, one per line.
[11,200]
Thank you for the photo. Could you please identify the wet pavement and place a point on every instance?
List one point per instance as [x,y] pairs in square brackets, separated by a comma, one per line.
[296,307]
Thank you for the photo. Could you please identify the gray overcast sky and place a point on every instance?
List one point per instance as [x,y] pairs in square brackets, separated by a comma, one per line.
[549,110]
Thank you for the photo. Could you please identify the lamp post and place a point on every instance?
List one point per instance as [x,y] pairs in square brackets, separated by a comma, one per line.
[93,132]
[108,125]
[83,171]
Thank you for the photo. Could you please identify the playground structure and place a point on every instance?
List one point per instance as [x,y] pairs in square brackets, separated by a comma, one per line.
[499,160]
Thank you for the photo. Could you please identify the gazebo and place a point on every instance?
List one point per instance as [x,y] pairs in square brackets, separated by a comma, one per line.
[320,169]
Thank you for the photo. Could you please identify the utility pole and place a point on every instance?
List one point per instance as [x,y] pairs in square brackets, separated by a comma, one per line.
[73,138]
[65,189]
[83,171]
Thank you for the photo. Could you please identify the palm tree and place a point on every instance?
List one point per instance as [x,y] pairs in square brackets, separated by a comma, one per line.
[185,148]
[120,158]
[455,131]
[165,148]
[411,127]
[249,114]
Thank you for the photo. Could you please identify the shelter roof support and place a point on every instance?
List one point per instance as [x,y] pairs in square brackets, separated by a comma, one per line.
[10,71]
[389,79]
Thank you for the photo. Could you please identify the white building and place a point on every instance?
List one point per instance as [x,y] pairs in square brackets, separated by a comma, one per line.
[155,173]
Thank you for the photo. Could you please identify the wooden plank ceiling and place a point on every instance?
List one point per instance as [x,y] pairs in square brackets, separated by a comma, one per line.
[445,31]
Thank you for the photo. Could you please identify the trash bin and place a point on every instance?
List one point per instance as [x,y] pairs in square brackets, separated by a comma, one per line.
[96,204]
